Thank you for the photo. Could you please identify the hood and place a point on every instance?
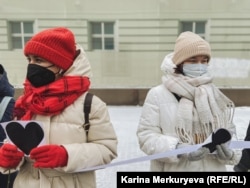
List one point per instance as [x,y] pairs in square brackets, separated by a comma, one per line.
[6,89]
[167,66]
[80,66]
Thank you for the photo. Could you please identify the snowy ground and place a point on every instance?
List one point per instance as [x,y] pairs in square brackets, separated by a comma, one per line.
[125,120]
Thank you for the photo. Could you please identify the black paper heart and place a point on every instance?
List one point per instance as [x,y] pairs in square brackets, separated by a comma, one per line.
[219,137]
[25,138]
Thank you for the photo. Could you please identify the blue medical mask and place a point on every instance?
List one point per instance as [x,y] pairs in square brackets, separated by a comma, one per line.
[194,70]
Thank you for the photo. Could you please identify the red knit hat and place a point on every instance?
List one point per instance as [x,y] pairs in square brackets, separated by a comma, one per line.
[56,45]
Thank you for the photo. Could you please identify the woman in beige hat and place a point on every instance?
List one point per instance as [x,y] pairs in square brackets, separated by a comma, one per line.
[185,110]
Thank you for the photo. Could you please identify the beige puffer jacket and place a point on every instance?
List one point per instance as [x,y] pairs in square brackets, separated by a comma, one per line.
[67,129]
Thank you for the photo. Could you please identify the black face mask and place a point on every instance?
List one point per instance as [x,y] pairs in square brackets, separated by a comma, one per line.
[39,76]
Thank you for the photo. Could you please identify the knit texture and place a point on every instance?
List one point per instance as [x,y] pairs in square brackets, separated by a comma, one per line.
[53,98]
[56,45]
[188,45]
[202,109]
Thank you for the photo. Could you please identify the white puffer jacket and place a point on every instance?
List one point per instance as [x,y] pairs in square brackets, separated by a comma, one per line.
[156,131]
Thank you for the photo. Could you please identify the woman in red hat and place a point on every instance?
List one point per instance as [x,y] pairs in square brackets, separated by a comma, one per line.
[58,79]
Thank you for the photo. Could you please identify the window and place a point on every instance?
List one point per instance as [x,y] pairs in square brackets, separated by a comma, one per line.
[20,32]
[102,36]
[198,27]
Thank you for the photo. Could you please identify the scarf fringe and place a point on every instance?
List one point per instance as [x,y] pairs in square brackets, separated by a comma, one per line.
[185,137]
[202,109]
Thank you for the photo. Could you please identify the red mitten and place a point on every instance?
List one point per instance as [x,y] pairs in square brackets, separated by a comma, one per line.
[49,156]
[10,156]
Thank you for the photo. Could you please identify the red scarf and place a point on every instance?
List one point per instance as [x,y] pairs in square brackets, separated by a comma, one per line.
[51,99]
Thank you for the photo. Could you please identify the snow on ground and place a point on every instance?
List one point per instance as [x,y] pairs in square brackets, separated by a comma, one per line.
[125,120]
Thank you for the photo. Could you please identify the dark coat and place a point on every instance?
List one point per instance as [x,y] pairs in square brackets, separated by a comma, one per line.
[6,89]
[244,164]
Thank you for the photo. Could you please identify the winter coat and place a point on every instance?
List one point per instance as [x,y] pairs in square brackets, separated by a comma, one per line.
[244,163]
[156,134]
[6,89]
[66,129]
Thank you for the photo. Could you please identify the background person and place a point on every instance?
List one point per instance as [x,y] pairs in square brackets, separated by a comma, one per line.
[6,89]
[244,163]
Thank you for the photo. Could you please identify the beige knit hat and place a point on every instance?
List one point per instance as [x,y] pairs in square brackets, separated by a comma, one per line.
[189,44]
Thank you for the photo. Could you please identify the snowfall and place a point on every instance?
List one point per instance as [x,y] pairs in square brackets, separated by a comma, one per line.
[125,121]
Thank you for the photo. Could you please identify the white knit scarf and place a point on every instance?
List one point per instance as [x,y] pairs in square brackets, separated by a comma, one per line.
[202,109]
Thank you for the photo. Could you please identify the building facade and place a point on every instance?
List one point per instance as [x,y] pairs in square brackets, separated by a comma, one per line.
[126,41]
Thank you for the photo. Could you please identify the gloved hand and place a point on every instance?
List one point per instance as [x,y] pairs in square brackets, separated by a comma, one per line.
[244,163]
[198,154]
[182,145]
[10,156]
[49,156]
[224,152]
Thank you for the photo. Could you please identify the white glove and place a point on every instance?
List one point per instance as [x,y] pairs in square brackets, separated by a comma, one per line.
[224,152]
[198,154]
[195,155]
[182,145]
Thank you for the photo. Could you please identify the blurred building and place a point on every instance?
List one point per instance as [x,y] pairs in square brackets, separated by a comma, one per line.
[126,40]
